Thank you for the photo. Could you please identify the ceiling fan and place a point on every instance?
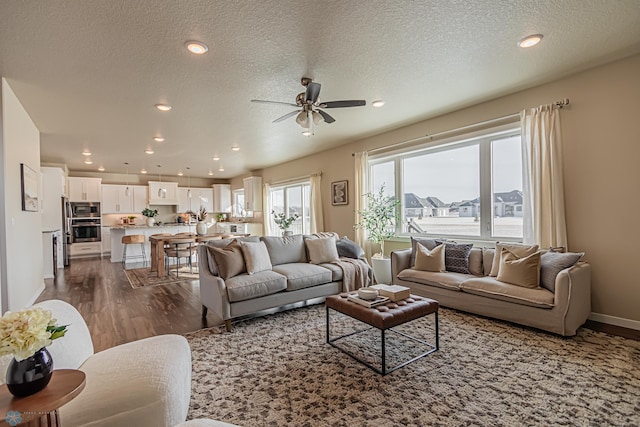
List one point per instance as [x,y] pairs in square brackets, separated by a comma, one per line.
[310,112]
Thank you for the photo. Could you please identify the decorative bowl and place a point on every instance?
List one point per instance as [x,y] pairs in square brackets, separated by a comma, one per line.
[368,293]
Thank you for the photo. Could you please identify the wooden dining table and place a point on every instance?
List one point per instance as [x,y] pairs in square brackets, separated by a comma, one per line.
[159,242]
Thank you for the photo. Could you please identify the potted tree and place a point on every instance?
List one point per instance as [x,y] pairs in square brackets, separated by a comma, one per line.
[379,220]
[150,214]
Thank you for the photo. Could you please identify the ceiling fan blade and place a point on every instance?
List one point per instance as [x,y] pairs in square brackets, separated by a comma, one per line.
[286,116]
[274,102]
[342,104]
[312,92]
[327,118]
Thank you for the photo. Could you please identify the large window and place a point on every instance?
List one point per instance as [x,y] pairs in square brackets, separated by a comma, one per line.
[291,199]
[470,187]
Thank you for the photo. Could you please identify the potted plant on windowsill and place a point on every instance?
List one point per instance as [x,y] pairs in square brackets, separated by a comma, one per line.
[379,220]
[150,214]
[284,222]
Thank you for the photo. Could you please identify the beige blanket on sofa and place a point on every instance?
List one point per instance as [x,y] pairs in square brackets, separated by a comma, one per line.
[354,273]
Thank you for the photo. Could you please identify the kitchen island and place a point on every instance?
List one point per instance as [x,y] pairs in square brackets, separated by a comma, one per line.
[135,251]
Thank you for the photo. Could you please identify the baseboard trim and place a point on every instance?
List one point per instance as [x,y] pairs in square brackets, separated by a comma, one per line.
[616,321]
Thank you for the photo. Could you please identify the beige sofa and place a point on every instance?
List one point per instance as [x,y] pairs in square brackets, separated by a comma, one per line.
[292,278]
[562,311]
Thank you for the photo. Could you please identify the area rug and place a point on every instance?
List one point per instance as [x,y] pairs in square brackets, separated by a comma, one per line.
[141,277]
[279,371]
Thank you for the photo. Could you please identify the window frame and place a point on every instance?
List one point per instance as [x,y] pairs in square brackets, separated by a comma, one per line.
[305,203]
[482,139]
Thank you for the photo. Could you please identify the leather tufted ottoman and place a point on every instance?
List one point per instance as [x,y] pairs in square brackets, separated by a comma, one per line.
[384,317]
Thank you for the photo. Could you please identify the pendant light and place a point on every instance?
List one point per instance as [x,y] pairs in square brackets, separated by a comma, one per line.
[189,182]
[162,192]
[127,191]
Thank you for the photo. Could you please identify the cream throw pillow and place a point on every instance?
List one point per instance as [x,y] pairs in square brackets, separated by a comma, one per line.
[519,271]
[520,250]
[322,250]
[429,260]
[256,256]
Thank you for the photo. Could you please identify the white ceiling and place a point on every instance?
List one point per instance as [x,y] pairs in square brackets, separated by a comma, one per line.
[90,71]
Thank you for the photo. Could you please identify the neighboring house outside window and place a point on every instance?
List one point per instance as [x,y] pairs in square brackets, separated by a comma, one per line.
[290,199]
[468,187]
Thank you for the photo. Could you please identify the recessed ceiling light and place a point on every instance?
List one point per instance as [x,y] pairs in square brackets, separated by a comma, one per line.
[210,172]
[530,41]
[196,47]
[88,162]
[143,170]
[306,132]
[86,153]
[180,173]
[101,168]
[235,148]
[148,151]
[216,158]
[378,103]
[158,139]
[163,107]
[221,169]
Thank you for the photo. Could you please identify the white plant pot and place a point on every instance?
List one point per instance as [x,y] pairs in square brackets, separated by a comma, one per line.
[202,228]
[151,221]
[286,233]
[382,270]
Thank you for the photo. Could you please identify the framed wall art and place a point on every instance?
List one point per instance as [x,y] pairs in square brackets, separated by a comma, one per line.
[340,193]
[29,187]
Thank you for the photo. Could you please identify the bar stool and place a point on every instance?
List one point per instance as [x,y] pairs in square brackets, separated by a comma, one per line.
[181,247]
[133,239]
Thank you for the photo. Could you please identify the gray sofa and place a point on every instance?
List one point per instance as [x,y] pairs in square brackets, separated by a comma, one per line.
[291,278]
[561,311]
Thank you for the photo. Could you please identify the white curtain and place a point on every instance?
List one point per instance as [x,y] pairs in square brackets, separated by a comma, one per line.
[360,186]
[316,216]
[543,206]
[266,208]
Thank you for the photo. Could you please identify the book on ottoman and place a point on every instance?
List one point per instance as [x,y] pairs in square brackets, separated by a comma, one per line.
[368,303]
[394,292]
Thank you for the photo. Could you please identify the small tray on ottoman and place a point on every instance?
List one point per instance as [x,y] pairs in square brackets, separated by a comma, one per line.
[384,317]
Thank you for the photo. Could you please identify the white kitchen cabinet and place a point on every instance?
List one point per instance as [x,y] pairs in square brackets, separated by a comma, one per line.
[115,199]
[253,193]
[140,197]
[202,197]
[221,198]
[184,201]
[106,240]
[168,197]
[85,189]
[85,249]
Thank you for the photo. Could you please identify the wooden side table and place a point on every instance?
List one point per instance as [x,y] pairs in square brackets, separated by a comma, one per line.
[41,409]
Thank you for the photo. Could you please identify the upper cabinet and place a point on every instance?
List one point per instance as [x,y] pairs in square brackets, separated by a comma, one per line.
[221,198]
[116,200]
[140,197]
[184,201]
[192,199]
[253,193]
[163,193]
[85,189]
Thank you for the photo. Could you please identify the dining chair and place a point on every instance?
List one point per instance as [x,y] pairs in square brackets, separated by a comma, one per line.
[180,247]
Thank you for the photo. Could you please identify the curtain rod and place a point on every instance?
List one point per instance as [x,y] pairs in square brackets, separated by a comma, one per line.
[298,178]
[558,104]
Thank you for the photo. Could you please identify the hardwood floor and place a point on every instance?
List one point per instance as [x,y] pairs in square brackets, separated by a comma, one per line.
[115,312]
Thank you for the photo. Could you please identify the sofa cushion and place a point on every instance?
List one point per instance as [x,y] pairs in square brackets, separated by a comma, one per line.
[447,280]
[221,244]
[456,256]
[517,248]
[349,249]
[475,262]
[521,271]
[427,243]
[487,260]
[229,260]
[429,260]
[490,287]
[256,256]
[552,263]
[285,250]
[322,250]
[245,286]
[336,271]
[303,275]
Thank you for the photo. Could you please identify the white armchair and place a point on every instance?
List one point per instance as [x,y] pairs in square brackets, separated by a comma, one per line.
[141,383]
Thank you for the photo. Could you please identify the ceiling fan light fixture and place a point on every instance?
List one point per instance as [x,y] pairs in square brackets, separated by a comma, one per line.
[196,47]
[317,118]
[163,107]
[307,132]
[378,103]
[530,41]
[302,119]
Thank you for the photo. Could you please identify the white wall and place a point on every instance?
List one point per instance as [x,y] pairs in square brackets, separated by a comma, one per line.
[21,239]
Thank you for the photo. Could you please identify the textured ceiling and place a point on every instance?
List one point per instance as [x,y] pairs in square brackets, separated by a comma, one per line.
[89,71]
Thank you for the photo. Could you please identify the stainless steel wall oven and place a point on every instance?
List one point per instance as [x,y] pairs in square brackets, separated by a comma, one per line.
[86,230]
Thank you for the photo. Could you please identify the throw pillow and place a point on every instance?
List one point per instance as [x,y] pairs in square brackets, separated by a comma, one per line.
[553,263]
[427,243]
[348,248]
[285,250]
[427,260]
[520,271]
[229,260]
[322,250]
[456,256]
[256,256]
[518,249]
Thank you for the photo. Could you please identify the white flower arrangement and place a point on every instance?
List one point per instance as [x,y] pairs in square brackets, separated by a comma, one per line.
[24,332]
